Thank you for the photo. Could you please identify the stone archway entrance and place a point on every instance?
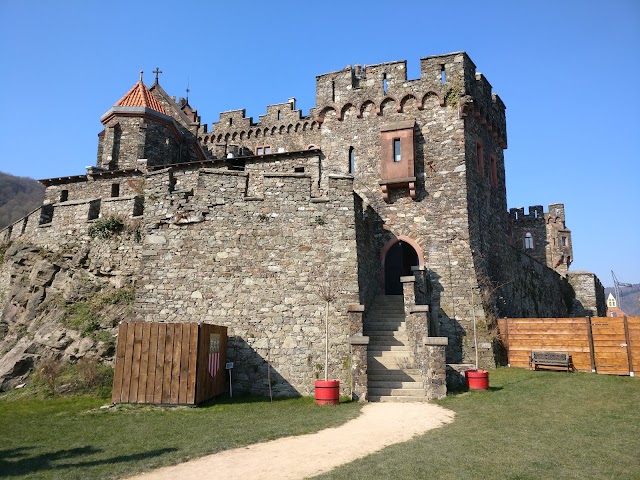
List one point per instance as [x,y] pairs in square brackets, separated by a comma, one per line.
[398,260]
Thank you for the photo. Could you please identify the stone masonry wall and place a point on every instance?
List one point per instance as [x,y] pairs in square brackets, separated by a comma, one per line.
[254,265]
[589,294]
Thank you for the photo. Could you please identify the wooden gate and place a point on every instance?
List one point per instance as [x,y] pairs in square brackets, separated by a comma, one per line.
[610,345]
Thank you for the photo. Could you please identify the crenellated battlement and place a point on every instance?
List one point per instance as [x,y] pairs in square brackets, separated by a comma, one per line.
[358,90]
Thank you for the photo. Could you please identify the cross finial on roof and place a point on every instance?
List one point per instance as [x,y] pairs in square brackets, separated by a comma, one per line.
[157,71]
[188,90]
[141,72]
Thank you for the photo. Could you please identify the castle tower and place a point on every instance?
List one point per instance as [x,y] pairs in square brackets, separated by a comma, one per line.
[137,127]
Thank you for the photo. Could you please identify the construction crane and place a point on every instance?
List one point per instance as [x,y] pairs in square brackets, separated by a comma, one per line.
[616,287]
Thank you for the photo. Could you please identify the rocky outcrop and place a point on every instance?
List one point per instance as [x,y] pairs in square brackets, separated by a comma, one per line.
[54,306]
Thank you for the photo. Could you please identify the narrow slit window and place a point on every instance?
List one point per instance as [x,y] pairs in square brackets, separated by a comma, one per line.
[384,83]
[443,75]
[494,171]
[352,161]
[397,154]
[480,158]
[564,241]
[279,115]
[115,190]
[333,91]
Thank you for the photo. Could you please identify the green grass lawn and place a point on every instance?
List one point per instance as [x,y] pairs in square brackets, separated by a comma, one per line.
[72,438]
[530,425]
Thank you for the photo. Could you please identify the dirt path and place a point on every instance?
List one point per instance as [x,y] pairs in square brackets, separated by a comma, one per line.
[379,425]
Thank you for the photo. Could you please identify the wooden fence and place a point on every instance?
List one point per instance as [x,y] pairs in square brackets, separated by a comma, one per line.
[169,363]
[596,344]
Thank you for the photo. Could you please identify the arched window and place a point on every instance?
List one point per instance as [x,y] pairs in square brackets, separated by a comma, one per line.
[528,241]
[352,161]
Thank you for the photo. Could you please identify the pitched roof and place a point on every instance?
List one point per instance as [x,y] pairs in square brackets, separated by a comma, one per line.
[140,96]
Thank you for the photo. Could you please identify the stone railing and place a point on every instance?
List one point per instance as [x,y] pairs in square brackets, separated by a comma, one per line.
[428,352]
[359,345]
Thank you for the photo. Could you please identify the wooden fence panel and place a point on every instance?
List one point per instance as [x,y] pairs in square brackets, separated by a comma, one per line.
[608,345]
[633,327]
[116,392]
[522,335]
[162,338]
[193,364]
[151,374]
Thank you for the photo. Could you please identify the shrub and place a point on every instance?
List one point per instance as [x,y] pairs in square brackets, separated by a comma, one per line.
[82,317]
[50,371]
[121,296]
[106,227]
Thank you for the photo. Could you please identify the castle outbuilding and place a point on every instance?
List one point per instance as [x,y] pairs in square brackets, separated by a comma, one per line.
[391,191]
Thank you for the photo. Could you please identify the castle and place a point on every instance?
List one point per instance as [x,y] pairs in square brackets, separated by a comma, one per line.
[391,192]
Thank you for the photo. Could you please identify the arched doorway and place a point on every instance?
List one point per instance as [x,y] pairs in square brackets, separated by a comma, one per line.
[398,260]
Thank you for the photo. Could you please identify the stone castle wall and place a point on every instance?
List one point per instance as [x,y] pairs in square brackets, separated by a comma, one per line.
[253,264]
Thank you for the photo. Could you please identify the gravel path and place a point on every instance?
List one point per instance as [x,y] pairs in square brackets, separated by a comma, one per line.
[379,425]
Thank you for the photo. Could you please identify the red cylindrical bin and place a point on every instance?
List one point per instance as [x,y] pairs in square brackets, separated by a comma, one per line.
[327,392]
[477,379]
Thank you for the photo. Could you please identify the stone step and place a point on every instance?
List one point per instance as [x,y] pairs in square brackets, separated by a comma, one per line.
[394,385]
[374,377]
[403,392]
[388,353]
[381,347]
[386,340]
[385,327]
[391,360]
[396,399]
[386,335]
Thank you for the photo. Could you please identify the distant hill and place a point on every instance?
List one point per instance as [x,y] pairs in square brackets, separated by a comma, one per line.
[629,299]
[18,196]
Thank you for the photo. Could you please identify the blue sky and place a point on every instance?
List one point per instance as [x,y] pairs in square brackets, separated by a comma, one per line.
[567,70]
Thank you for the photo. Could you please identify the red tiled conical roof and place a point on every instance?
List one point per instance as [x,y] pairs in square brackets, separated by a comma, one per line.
[140,96]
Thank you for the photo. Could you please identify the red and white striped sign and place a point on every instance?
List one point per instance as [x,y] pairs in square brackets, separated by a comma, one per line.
[214,364]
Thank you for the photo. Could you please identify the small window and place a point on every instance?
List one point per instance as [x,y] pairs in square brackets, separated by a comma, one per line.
[443,75]
[397,153]
[46,214]
[259,151]
[267,150]
[279,115]
[480,158]
[230,121]
[494,171]
[333,91]
[298,169]
[352,161]
[263,150]
[64,195]
[528,241]
[564,241]
[384,83]
[115,190]
[614,314]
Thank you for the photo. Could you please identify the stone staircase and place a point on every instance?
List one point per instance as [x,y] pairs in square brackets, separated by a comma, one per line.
[391,373]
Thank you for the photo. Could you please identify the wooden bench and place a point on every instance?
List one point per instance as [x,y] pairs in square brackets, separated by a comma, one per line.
[550,359]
